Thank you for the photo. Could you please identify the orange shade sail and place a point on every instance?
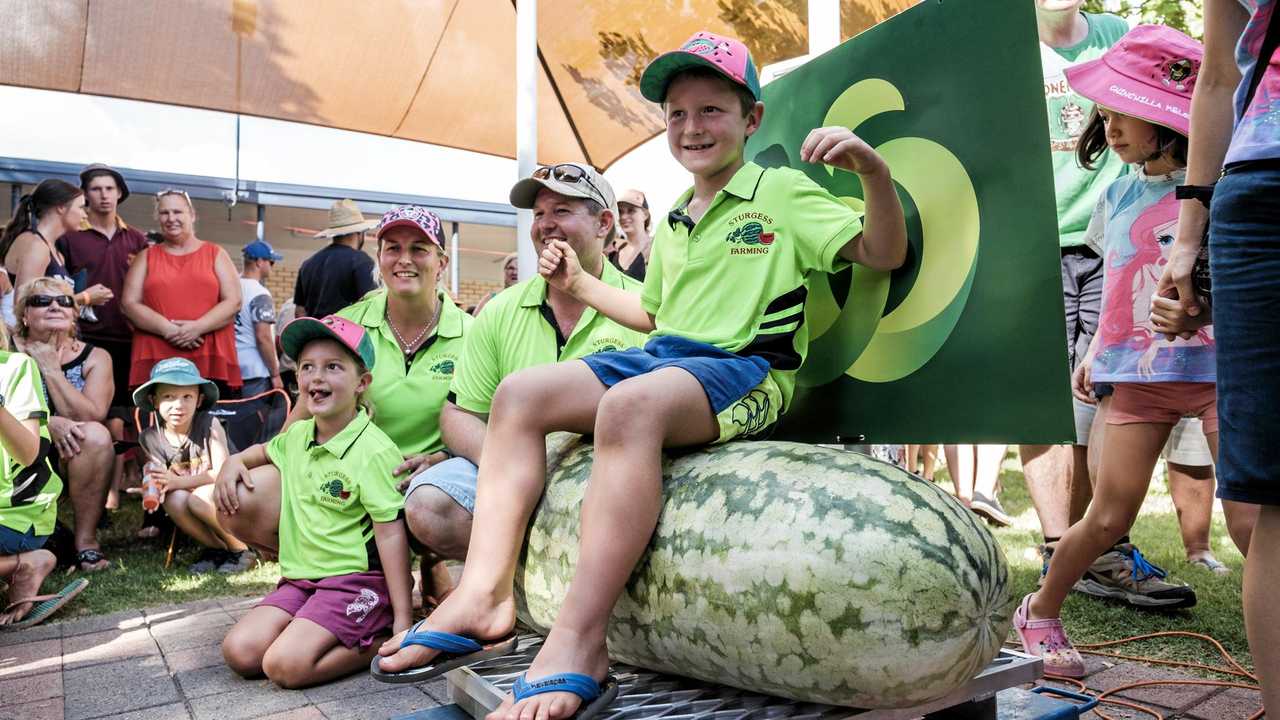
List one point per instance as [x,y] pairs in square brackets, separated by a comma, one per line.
[435,71]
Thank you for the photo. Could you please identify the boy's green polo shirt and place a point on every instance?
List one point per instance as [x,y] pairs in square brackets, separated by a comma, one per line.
[739,278]
[407,393]
[516,330]
[28,494]
[331,494]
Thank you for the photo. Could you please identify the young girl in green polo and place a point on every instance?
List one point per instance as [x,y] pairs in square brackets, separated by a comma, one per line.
[723,301]
[344,552]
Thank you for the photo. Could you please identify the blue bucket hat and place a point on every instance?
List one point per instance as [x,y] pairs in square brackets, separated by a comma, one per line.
[175,371]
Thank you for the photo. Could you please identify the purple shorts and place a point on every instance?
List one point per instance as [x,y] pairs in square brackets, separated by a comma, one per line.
[356,608]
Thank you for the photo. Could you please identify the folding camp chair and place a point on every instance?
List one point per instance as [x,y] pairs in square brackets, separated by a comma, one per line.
[248,421]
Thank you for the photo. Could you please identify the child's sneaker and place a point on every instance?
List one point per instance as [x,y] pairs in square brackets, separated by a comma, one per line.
[990,508]
[208,561]
[238,562]
[1048,641]
[1122,573]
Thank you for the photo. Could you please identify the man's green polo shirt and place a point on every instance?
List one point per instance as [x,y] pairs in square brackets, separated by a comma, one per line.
[516,330]
[331,494]
[408,392]
[738,279]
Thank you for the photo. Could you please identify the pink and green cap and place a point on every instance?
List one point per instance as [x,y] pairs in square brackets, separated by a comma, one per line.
[725,55]
[350,335]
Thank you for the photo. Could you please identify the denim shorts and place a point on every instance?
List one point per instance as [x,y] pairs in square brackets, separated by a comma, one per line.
[13,542]
[743,397]
[1244,253]
[455,476]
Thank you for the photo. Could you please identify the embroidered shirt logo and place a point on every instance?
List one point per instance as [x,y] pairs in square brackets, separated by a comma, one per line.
[364,603]
[443,368]
[333,490]
[749,239]
[607,344]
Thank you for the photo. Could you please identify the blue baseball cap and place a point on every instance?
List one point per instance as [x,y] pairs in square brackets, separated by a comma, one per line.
[175,371]
[260,250]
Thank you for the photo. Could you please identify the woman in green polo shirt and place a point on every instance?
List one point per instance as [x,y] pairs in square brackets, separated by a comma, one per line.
[417,334]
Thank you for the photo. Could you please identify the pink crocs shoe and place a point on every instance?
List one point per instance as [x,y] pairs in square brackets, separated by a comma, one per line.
[1046,640]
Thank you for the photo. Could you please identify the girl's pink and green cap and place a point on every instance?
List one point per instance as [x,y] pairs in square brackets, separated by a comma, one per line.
[725,55]
[1149,75]
[350,335]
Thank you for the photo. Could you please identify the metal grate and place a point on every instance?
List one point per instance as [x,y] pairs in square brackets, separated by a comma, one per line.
[646,694]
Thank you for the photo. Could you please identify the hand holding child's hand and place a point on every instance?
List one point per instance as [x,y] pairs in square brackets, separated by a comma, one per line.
[839,147]
[225,493]
[559,266]
[1169,316]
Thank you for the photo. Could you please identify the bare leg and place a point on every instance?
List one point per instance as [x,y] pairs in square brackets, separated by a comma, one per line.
[930,453]
[1081,482]
[528,405]
[1261,612]
[306,654]
[1127,462]
[245,645]
[1048,472]
[26,571]
[1241,517]
[444,529]
[987,468]
[910,457]
[1191,487]
[200,505]
[177,505]
[961,461]
[636,419]
[257,522]
[89,481]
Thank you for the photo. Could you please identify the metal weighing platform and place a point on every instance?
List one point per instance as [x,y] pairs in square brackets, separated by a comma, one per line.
[645,694]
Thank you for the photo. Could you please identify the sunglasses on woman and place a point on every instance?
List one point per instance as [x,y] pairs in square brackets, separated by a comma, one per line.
[571,174]
[44,301]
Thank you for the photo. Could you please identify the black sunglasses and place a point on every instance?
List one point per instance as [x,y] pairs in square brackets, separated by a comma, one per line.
[44,301]
[571,174]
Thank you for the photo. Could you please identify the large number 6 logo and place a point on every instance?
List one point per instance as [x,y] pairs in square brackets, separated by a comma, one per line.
[855,340]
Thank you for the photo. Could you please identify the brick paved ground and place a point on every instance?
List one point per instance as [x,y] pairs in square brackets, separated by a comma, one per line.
[165,664]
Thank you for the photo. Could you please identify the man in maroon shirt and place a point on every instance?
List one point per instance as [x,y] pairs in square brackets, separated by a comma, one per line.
[103,250]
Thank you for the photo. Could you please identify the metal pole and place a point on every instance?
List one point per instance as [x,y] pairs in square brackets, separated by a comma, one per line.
[262,221]
[526,123]
[824,25]
[455,261]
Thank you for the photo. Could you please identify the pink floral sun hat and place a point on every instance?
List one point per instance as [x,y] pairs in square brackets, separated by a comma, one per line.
[1149,74]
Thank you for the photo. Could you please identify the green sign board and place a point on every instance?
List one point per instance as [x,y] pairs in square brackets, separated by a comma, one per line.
[966,342]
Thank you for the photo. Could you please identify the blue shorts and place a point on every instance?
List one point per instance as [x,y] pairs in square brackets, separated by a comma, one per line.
[1244,254]
[743,397]
[455,476]
[13,542]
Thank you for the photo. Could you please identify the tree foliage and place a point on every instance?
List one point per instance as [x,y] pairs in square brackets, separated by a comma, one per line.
[1184,15]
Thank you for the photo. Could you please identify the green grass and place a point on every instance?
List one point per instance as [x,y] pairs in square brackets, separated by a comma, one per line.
[1088,620]
[138,579]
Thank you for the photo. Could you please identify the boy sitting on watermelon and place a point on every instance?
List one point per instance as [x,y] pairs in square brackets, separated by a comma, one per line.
[723,301]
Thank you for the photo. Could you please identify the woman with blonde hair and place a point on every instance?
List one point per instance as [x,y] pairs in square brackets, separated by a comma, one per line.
[78,386]
[182,295]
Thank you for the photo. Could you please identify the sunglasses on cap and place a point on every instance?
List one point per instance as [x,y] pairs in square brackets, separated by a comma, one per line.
[44,301]
[174,191]
[571,174]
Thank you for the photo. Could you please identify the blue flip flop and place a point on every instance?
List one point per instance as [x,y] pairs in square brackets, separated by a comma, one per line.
[596,696]
[456,651]
[46,605]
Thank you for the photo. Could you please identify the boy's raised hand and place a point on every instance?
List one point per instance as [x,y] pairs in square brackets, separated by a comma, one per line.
[225,494]
[558,264]
[839,147]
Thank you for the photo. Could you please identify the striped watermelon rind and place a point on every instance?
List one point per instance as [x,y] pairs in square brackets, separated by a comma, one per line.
[794,570]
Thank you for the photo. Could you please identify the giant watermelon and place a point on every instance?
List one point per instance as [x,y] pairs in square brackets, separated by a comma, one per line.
[796,570]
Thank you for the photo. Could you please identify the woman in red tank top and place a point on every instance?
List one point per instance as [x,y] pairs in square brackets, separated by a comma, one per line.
[181,296]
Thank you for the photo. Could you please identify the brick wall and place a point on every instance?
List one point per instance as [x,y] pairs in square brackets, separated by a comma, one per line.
[470,291]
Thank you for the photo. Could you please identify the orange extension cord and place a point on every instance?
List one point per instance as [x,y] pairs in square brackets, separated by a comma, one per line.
[1234,668]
